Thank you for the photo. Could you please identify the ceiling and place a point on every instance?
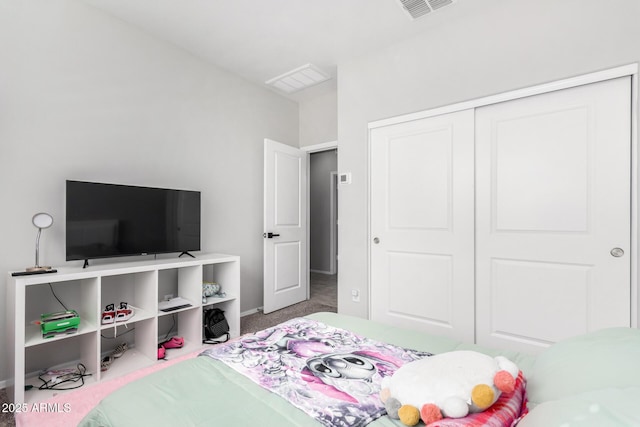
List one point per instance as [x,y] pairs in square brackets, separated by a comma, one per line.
[261,39]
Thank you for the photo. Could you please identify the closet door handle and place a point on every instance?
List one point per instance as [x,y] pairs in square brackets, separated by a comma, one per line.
[617,252]
[270,235]
[376,240]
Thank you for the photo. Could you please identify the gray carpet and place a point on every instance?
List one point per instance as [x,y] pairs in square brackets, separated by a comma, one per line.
[324,288]
[6,419]
[324,297]
[258,321]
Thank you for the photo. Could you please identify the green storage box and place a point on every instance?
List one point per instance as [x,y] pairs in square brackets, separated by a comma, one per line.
[63,322]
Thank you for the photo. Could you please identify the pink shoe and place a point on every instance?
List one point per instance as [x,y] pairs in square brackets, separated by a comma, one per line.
[161,352]
[175,342]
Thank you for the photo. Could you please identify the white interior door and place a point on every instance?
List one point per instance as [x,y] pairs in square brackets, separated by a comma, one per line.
[285,226]
[422,266]
[553,204]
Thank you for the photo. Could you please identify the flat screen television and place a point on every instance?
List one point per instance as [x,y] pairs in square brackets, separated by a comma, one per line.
[112,220]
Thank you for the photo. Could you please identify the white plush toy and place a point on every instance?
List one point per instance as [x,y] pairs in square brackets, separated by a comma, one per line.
[447,385]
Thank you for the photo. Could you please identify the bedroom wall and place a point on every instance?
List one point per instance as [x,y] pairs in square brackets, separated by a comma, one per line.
[85,96]
[501,46]
[319,119]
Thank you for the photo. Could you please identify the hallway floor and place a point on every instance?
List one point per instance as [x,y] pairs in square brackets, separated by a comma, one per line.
[324,289]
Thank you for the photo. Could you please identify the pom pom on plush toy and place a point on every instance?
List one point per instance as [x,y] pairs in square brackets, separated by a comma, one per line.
[482,396]
[505,382]
[447,385]
[409,415]
[430,413]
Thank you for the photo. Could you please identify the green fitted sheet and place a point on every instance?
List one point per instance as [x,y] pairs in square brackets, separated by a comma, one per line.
[205,392]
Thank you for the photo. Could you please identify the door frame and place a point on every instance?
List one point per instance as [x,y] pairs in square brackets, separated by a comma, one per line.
[629,70]
[333,217]
[310,149]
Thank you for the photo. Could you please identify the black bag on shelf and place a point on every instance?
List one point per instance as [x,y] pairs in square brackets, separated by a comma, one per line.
[216,328]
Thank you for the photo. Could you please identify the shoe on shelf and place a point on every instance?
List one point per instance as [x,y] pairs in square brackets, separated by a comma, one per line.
[109,314]
[175,342]
[161,352]
[119,350]
[124,312]
[105,363]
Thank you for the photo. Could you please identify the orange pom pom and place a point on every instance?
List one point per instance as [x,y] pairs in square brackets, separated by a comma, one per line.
[409,415]
[482,396]
[430,413]
[504,382]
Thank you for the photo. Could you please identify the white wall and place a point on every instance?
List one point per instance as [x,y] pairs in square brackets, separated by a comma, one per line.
[320,182]
[85,96]
[505,46]
[319,119]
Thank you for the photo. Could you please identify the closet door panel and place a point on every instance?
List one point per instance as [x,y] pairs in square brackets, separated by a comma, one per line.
[553,200]
[530,285]
[423,286]
[541,166]
[422,225]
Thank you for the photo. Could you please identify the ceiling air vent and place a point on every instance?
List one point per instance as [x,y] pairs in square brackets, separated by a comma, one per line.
[298,79]
[418,8]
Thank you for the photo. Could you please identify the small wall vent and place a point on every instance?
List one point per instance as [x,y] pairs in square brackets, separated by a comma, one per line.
[418,8]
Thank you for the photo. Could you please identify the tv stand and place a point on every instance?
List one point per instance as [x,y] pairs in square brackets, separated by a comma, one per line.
[186,253]
[143,284]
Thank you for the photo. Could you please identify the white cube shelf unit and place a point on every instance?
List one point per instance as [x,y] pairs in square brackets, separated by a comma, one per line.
[142,284]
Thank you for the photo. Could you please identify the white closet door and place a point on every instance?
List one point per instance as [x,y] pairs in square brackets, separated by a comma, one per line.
[422,225]
[553,204]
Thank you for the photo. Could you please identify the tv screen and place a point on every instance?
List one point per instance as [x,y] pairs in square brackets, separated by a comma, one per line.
[110,220]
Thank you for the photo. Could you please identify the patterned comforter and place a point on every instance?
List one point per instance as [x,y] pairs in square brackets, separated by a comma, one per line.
[331,374]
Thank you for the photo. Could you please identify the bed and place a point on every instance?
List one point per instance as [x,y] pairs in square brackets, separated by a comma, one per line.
[592,380]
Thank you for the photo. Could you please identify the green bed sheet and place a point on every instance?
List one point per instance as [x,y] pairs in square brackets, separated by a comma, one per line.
[205,392]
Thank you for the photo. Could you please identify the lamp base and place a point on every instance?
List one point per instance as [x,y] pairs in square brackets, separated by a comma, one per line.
[29,273]
[38,268]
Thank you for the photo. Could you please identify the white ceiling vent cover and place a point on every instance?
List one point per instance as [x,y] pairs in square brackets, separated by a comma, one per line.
[418,8]
[298,79]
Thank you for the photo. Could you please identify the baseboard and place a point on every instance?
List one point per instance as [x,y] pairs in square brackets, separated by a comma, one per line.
[322,272]
[252,311]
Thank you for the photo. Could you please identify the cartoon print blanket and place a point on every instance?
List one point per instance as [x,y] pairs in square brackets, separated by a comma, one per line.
[331,374]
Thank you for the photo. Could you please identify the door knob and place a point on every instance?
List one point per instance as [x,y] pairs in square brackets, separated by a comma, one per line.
[376,240]
[270,235]
[617,252]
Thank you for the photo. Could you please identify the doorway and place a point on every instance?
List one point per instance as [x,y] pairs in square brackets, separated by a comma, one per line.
[323,223]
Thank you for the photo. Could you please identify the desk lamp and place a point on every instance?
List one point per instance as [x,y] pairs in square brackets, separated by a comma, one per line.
[40,221]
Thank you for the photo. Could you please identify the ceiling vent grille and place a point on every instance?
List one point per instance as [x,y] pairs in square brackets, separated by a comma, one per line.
[298,79]
[418,8]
